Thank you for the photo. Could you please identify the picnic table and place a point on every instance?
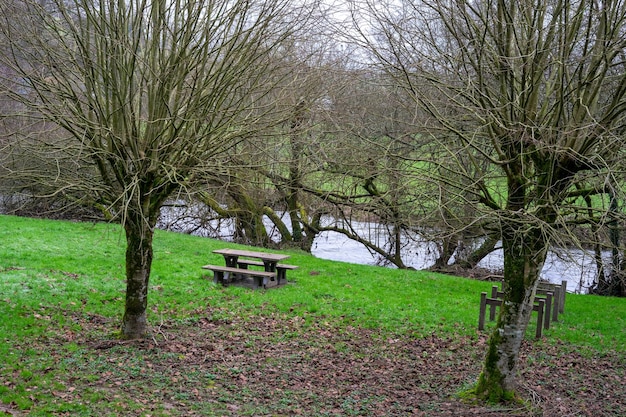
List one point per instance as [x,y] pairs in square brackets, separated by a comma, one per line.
[237,266]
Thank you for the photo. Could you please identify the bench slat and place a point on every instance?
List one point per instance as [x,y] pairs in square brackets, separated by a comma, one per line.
[239,271]
[260,277]
[259,263]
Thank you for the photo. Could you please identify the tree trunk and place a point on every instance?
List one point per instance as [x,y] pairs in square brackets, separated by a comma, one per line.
[292,193]
[448,246]
[249,226]
[311,232]
[294,215]
[524,256]
[139,234]
[486,247]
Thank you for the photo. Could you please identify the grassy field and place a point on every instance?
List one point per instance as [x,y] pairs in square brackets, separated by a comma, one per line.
[61,300]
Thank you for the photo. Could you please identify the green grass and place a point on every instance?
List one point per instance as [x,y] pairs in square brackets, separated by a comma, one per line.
[50,266]
[57,277]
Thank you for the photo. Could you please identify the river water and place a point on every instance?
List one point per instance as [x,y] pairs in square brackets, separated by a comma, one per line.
[577,267]
[574,266]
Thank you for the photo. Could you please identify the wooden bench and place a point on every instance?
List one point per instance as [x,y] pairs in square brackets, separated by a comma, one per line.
[260,277]
[281,269]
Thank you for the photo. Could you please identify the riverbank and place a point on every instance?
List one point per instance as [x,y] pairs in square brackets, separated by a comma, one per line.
[340,339]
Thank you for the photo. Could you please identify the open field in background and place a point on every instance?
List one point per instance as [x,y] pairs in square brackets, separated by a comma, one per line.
[340,339]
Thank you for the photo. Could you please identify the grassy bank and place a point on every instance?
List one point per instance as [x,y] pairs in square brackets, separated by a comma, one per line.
[62,289]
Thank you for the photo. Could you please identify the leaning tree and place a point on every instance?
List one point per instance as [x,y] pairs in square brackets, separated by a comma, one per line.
[148,95]
[534,94]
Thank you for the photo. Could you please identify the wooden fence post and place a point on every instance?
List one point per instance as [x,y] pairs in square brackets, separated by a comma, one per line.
[547,310]
[540,306]
[483,308]
[492,307]
[557,303]
[544,307]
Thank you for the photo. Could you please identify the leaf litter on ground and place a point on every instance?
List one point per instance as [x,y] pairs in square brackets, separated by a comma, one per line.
[274,364]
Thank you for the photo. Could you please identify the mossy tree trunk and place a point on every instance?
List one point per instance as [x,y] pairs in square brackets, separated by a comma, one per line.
[249,227]
[139,223]
[293,185]
[525,245]
[139,235]
[524,256]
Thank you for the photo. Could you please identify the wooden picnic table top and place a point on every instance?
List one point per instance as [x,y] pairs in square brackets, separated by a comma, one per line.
[274,257]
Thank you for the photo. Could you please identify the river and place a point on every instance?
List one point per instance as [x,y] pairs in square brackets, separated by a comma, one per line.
[577,267]
[574,266]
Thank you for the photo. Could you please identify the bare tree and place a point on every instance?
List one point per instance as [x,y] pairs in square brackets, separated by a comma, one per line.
[537,91]
[260,187]
[149,94]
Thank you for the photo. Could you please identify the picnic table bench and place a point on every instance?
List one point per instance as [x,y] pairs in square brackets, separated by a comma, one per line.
[236,267]
[224,274]
[281,269]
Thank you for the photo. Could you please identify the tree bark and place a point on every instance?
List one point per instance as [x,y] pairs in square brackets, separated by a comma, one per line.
[295,173]
[250,228]
[479,254]
[524,256]
[139,252]
[448,246]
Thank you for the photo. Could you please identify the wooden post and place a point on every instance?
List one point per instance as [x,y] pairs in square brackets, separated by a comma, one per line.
[557,303]
[563,291]
[492,307]
[548,309]
[482,311]
[218,277]
[539,329]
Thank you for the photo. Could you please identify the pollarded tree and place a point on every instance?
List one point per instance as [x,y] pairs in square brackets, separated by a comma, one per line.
[537,89]
[149,93]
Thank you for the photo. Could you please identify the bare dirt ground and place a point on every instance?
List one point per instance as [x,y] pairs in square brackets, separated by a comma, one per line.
[276,365]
